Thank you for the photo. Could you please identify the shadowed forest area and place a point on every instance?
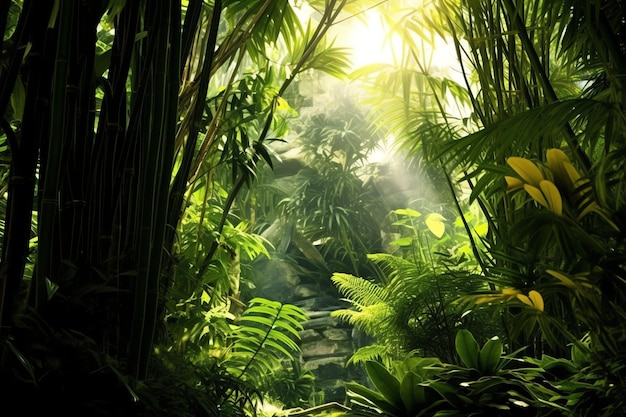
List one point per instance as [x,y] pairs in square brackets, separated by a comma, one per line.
[227,208]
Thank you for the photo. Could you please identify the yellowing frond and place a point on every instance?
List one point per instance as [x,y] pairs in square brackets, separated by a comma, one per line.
[524,299]
[572,173]
[563,278]
[536,194]
[552,196]
[533,299]
[556,162]
[513,184]
[526,169]
[537,299]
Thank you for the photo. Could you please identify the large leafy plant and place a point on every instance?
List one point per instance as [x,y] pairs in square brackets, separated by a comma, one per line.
[485,382]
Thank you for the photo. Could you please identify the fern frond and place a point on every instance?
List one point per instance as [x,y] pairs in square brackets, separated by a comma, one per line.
[393,266]
[366,318]
[267,334]
[358,290]
[370,352]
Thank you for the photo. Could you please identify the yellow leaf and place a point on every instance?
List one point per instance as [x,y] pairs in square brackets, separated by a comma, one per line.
[572,174]
[563,278]
[556,162]
[524,299]
[589,206]
[282,104]
[510,291]
[533,299]
[435,224]
[536,194]
[552,196]
[482,229]
[526,169]
[486,299]
[556,156]
[537,299]
[513,184]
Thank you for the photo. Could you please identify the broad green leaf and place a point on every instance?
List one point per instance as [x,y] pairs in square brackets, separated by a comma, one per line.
[384,381]
[490,355]
[411,392]
[435,224]
[451,394]
[18,98]
[467,348]
[404,241]
[360,394]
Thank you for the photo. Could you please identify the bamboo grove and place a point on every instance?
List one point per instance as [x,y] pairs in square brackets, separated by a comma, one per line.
[113,113]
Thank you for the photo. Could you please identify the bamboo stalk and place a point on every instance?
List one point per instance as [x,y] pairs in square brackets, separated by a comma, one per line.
[18,216]
[51,165]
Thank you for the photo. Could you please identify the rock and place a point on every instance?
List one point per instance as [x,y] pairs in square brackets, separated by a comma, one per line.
[306,291]
[317,314]
[324,302]
[321,322]
[324,348]
[337,334]
[314,364]
[309,335]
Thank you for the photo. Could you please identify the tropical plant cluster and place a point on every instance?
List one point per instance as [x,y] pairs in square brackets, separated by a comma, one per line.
[138,147]
[529,132]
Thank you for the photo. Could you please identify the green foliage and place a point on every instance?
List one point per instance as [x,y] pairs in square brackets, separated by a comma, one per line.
[493,384]
[292,386]
[266,335]
[331,202]
[184,389]
[533,82]
[415,306]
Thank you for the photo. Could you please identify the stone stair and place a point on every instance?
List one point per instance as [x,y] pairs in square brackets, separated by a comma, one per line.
[327,344]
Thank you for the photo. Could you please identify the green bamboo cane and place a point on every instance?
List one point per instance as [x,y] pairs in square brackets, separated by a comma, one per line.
[182,175]
[112,153]
[32,27]
[51,167]
[158,119]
